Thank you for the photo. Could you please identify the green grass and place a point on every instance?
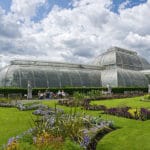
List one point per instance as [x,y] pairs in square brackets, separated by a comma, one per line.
[13,122]
[132,102]
[131,135]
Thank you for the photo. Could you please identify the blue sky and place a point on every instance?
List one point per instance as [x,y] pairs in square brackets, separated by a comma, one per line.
[5,4]
[132,3]
[45,9]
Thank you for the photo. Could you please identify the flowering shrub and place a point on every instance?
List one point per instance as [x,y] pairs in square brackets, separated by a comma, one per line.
[122,112]
[77,127]
[61,125]
[144,114]
[48,140]
[12,144]
[52,129]
[127,112]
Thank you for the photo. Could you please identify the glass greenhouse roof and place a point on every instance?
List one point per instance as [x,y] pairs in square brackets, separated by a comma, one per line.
[117,67]
[118,57]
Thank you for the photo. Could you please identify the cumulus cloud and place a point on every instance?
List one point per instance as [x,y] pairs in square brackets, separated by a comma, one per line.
[77,34]
[25,8]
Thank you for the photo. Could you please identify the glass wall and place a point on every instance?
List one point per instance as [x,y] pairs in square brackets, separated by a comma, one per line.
[109,77]
[128,78]
[50,76]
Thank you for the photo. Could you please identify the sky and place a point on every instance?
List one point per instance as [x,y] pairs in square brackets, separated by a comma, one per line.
[73,31]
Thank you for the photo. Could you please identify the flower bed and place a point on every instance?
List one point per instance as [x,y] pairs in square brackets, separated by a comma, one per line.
[22,106]
[52,129]
[29,106]
[127,112]
[95,107]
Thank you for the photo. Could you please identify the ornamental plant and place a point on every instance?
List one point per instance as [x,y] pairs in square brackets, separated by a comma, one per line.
[144,114]
[45,140]
[12,144]
[70,125]
[94,94]
[61,125]
[119,111]
[78,98]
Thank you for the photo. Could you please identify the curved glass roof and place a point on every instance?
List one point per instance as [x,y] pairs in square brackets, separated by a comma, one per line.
[117,67]
[121,58]
[49,74]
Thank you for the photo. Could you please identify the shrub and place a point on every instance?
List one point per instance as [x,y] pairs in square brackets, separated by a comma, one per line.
[129,89]
[119,111]
[93,94]
[45,140]
[12,144]
[61,125]
[69,90]
[144,114]
[70,125]
[127,112]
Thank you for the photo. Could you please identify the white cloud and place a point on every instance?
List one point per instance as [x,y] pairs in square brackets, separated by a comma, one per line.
[73,35]
[25,8]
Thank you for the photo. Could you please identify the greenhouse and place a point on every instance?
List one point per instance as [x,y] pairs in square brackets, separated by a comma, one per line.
[123,68]
[147,74]
[117,67]
[49,74]
[118,57]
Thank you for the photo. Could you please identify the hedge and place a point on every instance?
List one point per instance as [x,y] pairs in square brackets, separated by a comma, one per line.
[69,90]
[129,89]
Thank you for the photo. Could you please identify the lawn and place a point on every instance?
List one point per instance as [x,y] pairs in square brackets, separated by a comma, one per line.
[13,122]
[131,134]
[132,102]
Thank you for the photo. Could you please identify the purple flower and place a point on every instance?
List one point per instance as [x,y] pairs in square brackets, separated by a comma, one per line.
[10,140]
[86,139]
[85,142]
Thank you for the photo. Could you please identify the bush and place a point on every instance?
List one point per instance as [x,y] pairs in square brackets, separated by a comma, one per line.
[127,112]
[69,90]
[144,114]
[129,89]
[94,94]
[62,125]
[121,112]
